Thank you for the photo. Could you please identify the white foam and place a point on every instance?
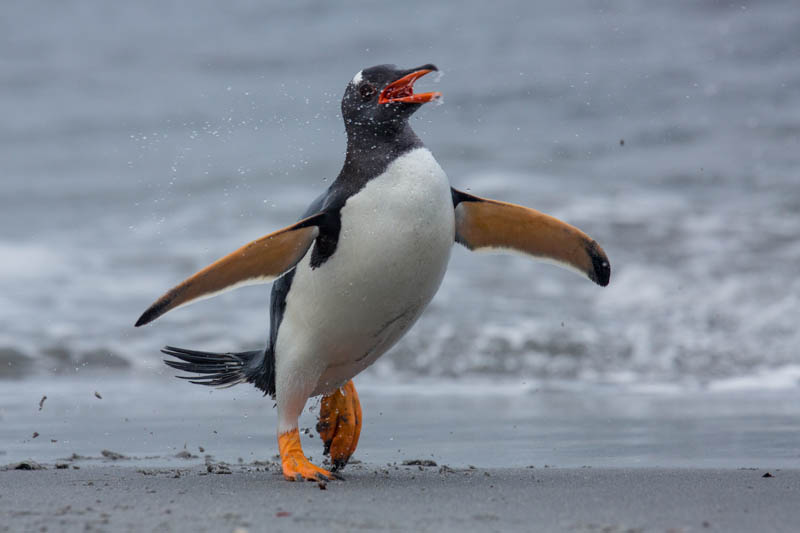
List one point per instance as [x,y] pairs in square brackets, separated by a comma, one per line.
[780,378]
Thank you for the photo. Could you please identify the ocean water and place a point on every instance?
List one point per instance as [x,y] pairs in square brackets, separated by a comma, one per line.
[139,142]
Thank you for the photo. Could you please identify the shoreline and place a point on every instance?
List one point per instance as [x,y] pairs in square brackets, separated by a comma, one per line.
[165,457]
[157,420]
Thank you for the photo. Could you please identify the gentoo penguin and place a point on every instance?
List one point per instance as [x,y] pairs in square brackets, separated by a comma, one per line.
[355,273]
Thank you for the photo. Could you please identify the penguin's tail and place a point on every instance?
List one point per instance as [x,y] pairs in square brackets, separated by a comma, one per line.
[225,369]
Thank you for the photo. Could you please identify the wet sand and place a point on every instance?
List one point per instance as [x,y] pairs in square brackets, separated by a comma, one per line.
[156,454]
[255,498]
[489,425]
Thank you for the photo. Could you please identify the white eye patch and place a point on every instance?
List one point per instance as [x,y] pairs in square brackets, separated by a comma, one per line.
[357,78]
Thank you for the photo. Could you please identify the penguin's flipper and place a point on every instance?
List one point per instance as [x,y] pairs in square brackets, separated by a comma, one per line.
[260,261]
[483,224]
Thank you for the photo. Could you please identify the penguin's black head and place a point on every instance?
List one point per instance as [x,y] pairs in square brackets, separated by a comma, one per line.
[382,98]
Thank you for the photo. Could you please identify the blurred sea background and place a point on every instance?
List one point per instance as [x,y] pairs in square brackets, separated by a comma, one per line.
[140,141]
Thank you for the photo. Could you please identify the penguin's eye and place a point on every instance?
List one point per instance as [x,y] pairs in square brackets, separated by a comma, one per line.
[367,90]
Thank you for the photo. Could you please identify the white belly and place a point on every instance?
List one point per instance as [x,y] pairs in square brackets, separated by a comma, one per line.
[392,253]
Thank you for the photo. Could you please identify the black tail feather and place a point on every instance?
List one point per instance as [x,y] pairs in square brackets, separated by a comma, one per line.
[222,369]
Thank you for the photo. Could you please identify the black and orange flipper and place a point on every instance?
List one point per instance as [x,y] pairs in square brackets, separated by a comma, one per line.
[483,224]
[260,261]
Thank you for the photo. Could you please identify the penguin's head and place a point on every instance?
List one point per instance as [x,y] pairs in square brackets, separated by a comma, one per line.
[381,98]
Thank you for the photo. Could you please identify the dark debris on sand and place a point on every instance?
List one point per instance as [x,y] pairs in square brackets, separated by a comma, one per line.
[24,465]
[419,462]
[75,457]
[114,456]
[185,454]
[218,468]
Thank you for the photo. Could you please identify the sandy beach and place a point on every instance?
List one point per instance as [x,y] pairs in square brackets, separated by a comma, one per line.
[158,455]
[253,497]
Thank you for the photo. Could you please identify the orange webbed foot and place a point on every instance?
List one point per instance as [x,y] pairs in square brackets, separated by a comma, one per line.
[295,465]
[339,424]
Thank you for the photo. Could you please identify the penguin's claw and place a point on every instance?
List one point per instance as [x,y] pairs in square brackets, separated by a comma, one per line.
[295,465]
[339,424]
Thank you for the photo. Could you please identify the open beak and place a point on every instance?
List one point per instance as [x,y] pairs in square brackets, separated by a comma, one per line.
[402,90]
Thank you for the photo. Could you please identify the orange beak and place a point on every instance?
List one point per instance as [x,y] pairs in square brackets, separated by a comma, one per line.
[402,90]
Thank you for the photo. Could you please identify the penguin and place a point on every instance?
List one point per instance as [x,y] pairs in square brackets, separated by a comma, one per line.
[353,275]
